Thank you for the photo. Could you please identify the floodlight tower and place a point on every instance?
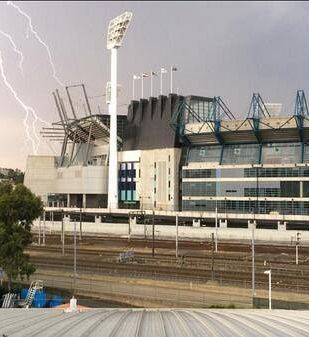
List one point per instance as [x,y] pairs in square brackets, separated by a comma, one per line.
[115,34]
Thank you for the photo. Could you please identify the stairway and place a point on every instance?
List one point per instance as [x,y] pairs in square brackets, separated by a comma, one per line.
[34,286]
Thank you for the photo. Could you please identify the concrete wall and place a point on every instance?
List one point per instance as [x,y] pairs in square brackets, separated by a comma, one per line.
[41,175]
[82,180]
[161,232]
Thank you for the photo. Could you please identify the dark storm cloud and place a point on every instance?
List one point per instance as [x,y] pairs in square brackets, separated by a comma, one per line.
[230,49]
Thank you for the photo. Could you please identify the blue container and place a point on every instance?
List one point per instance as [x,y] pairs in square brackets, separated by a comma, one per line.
[39,300]
[55,301]
[23,293]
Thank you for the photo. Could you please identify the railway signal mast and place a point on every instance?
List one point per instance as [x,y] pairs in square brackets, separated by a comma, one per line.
[116,31]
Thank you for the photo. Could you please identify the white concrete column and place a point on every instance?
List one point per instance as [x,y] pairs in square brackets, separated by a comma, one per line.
[223,223]
[68,200]
[251,224]
[196,223]
[132,221]
[97,219]
[282,225]
[84,200]
[113,163]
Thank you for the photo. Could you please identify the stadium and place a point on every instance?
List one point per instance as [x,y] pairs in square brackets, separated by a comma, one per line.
[182,154]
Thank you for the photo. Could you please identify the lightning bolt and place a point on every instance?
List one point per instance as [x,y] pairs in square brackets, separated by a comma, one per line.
[28,109]
[25,107]
[36,35]
[16,50]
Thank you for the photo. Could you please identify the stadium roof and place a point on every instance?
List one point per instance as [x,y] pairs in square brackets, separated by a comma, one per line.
[153,322]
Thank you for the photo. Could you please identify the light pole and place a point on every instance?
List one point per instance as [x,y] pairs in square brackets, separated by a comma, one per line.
[269,286]
[172,69]
[176,236]
[152,73]
[39,239]
[74,254]
[135,77]
[216,237]
[143,75]
[298,238]
[44,228]
[162,71]
[253,261]
[115,34]
[153,232]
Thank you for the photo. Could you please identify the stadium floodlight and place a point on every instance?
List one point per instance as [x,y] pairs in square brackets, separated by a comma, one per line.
[116,31]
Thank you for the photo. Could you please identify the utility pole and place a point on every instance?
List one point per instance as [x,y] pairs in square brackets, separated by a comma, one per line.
[62,229]
[269,286]
[153,232]
[129,227]
[52,219]
[39,239]
[298,238]
[216,242]
[80,224]
[44,222]
[176,236]
[145,228]
[212,256]
[74,255]
[253,264]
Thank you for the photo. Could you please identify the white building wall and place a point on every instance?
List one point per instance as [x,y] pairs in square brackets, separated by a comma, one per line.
[82,180]
[158,184]
[41,175]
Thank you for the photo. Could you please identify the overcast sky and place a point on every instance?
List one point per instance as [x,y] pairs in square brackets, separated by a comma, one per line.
[227,49]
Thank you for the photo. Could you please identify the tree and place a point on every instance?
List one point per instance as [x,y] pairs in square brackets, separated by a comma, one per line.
[18,208]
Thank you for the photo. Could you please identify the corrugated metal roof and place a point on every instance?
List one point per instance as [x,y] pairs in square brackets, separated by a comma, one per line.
[153,323]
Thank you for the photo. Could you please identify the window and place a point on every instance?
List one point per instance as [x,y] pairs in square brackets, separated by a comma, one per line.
[169,158]
[199,173]
[155,165]
[169,183]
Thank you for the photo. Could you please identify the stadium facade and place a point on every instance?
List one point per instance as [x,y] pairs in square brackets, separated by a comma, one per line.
[181,153]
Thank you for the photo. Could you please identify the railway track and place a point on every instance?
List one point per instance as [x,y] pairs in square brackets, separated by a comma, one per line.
[189,258]
[226,273]
[240,278]
[231,266]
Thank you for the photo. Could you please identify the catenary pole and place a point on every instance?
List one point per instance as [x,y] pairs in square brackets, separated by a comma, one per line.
[176,236]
